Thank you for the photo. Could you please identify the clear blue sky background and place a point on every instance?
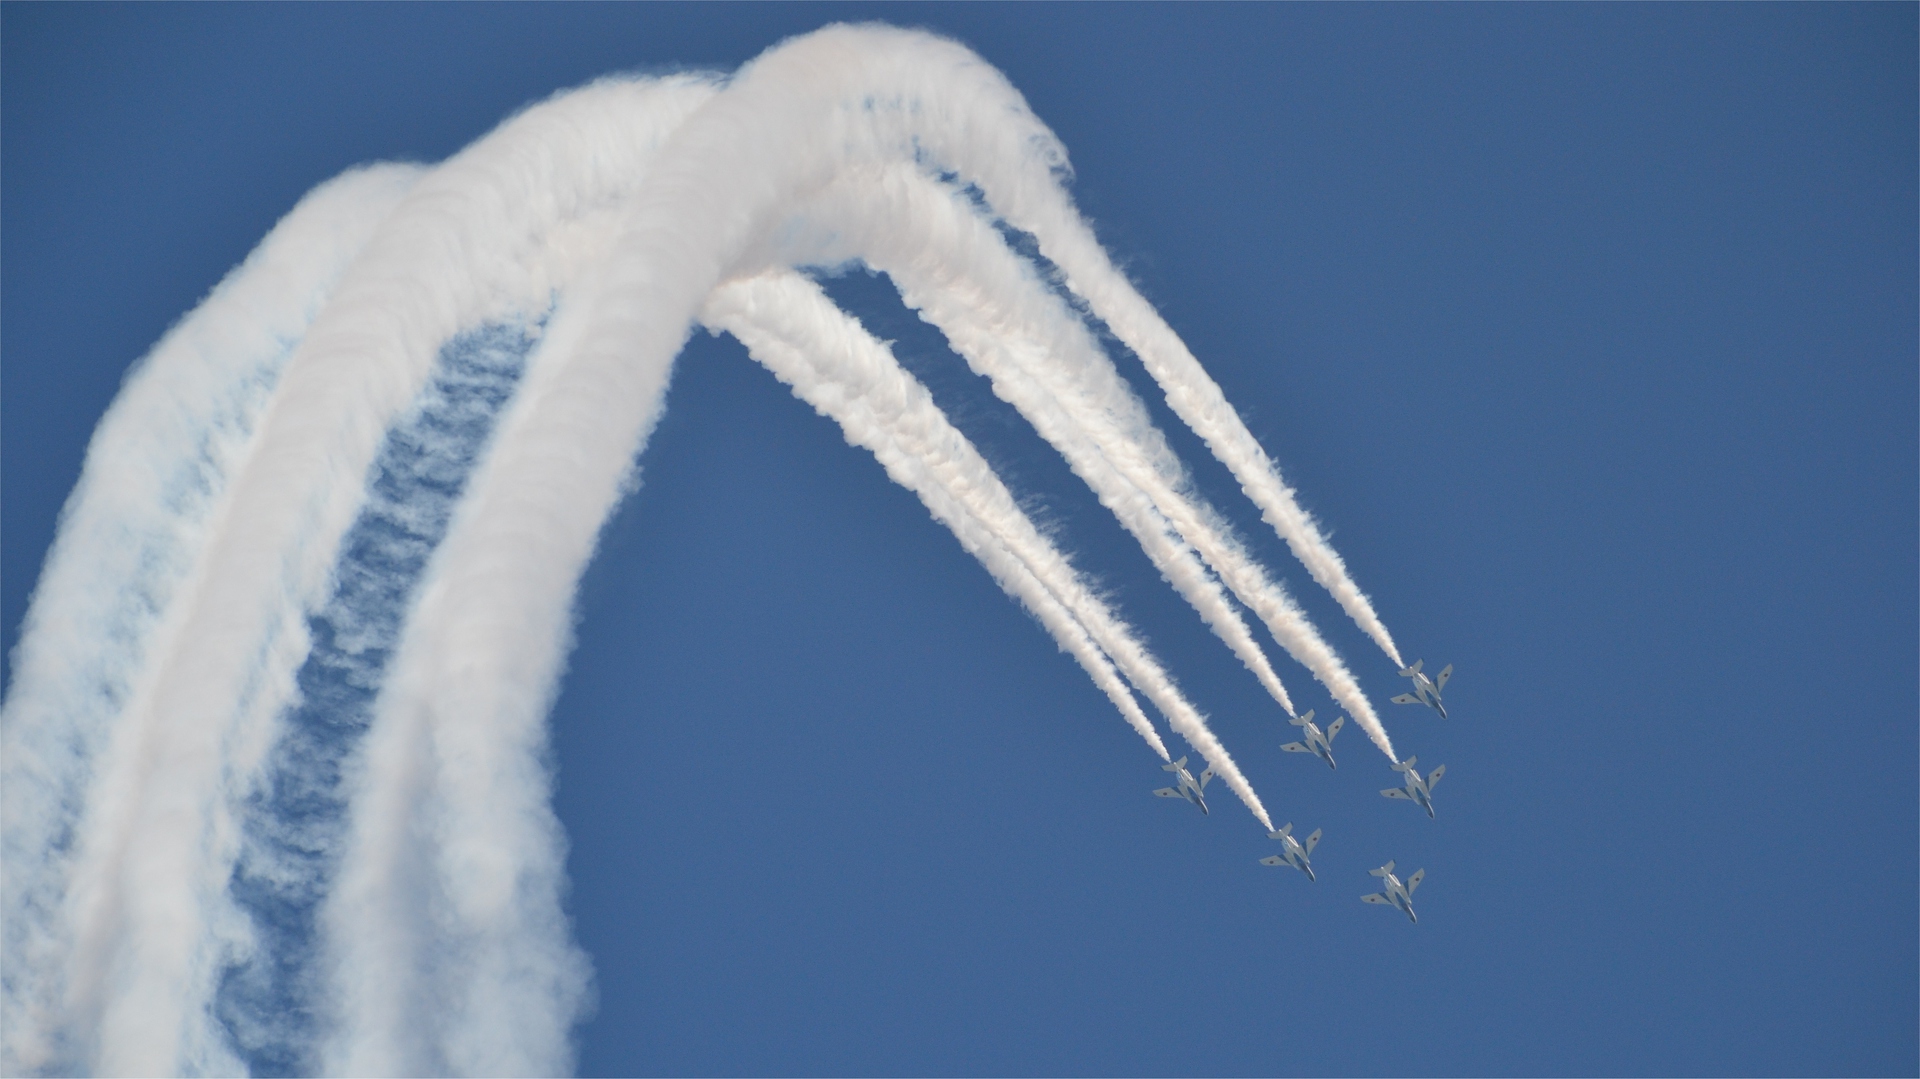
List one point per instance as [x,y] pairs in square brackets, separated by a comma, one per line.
[1589,331]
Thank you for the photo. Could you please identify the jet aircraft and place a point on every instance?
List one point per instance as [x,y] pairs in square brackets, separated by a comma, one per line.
[1397,895]
[1189,788]
[1425,691]
[1316,743]
[1417,789]
[1293,852]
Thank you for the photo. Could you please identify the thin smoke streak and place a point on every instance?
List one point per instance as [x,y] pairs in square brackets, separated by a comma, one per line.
[790,327]
[957,269]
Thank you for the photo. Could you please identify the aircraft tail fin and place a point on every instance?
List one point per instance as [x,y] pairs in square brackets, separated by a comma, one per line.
[1413,670]
[1301,721]
[1402,766]
[1382,871]
[1175,766]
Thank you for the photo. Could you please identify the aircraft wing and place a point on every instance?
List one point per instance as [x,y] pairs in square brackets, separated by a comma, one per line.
[1311,840]
[1414,881]
[1273,859]
[1296,747]
[1169,792]
[1441,682]
[1433,777]
[1405,698]
[1391,792]
[1376,898]
[1334,728]
[1206,777]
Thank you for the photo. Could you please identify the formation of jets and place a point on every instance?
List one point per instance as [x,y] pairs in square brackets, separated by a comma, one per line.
[1417,789]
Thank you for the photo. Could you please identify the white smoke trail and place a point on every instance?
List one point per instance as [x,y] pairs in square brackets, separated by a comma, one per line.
[446,946]
[952,265]
[157,467]
[999,157]
[267,995]
[155,852]
[489,634]
[1064,237]
[958,272]
[829,361]
[835,365]
[445,943]
[487,638]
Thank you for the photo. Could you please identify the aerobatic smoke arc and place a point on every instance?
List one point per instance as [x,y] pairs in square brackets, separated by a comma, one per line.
[165,910]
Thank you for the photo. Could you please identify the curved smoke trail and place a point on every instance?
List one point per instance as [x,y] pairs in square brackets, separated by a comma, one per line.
[156,473]
[273,785]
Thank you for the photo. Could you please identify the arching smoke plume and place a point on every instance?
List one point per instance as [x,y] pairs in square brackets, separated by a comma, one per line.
[273,784]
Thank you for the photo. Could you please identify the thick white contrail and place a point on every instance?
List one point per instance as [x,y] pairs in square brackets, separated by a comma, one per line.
[446,948]
[292,824]
[459,250]
[156,469]
[952,265]
[460,718]
[623,214]
[831,362]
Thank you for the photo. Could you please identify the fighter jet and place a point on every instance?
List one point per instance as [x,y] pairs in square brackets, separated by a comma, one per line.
[1417,789]
[1397,894]
[1425,691]
[1188,788]
[1316,743]
[1293,852]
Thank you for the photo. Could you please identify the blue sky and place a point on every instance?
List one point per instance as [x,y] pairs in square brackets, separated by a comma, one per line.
[1588,331]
